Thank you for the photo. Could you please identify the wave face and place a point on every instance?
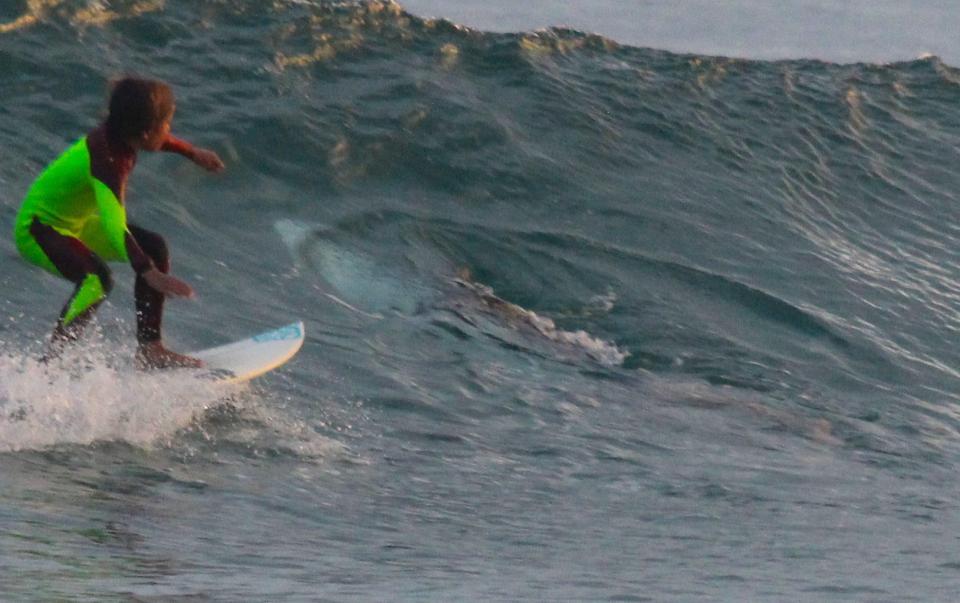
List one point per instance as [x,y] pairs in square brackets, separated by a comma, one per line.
[582,317]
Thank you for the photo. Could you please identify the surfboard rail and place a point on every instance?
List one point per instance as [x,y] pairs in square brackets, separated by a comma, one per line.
[251,357]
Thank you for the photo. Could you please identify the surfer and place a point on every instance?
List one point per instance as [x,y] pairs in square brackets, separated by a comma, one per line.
[73,219]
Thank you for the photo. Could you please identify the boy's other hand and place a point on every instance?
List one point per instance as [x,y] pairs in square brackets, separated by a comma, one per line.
[208,160]
[167,284]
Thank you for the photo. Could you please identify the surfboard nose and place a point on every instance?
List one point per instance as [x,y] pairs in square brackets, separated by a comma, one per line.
[251,357]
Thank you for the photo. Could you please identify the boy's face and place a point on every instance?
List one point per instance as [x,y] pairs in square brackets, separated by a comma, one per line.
[154,139]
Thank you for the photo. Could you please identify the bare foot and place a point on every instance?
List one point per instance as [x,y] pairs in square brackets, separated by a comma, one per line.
[154,356]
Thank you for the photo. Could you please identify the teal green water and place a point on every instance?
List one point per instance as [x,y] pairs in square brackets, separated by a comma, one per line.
[585,321]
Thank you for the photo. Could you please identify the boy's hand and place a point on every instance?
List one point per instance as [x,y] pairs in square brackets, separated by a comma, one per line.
[167,283]
[208,160]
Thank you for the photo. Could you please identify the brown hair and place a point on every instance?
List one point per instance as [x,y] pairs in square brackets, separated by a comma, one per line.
[137,106]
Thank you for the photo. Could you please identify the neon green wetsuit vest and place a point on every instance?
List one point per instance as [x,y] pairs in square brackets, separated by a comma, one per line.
[68,198]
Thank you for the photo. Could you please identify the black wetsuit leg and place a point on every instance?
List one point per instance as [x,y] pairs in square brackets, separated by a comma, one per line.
[75,262]
[149,301]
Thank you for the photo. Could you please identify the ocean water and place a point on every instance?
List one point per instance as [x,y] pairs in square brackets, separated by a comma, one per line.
[587,321]
[846,32]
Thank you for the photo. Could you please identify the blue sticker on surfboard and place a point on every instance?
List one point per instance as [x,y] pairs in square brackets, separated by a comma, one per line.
[251,357]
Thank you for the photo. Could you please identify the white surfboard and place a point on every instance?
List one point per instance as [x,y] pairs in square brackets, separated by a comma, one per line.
[248,358]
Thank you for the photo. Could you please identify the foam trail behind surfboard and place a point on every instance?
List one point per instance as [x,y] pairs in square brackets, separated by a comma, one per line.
[89,398]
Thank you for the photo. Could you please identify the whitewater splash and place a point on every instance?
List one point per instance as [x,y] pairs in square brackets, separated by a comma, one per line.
[596,348]
[83,400]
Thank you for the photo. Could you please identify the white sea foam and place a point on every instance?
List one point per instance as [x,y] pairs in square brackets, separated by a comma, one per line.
[80,401]
[600,350]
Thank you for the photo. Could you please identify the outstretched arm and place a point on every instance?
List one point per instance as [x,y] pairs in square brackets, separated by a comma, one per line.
[205,158]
